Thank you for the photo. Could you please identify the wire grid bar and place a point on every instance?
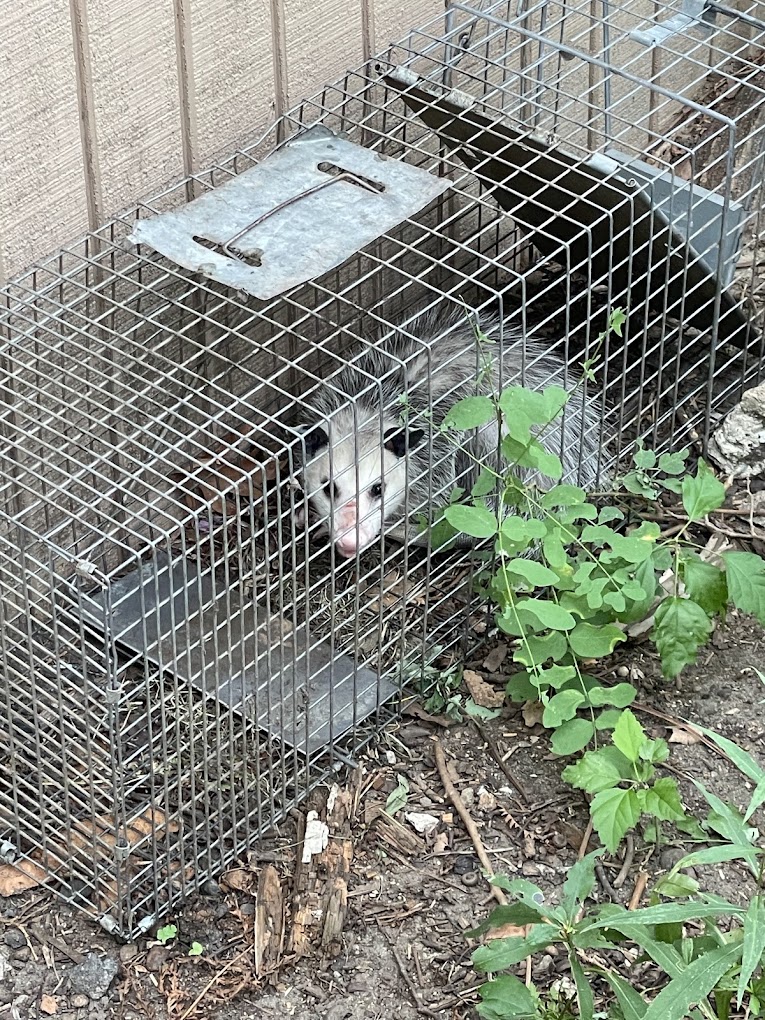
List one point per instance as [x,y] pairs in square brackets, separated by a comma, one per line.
[147,424]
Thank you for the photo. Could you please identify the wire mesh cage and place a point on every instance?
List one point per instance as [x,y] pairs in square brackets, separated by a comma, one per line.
[182,659]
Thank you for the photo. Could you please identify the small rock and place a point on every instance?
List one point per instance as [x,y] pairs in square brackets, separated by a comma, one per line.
[14,939]
[23,954]
[247,909]
[211,888]
[463,864]
[93,976]
[79,1001]
[128,952]
[156,958]
[29,981]
[530,869]
[738,445]
[467,796]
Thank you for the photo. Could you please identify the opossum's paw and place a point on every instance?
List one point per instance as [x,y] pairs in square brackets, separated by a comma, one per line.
[300,517]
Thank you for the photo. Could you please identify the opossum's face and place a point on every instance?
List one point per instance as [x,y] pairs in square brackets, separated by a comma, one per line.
[355,483]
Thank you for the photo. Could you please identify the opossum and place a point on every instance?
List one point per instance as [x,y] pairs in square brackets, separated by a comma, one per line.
[368,465]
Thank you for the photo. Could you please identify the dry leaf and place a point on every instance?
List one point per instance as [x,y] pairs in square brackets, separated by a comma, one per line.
[683,735]
[483,694]
[505,931]
[239,880]
[17,878]
[48,1005]
[441,843]
[495,658]
[533,712]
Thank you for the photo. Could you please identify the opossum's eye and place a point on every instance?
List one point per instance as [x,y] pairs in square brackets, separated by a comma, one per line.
[376,491]
[328,490]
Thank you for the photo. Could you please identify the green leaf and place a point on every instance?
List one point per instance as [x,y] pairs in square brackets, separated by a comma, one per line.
[614,813]
[590,642]
[725,819]
[563,495]
[499,954]
[548,613]
[583,990]
[717,855]
[745,573]
[485,483]
[538,649]
[533,572]
[633,1005]
[510,913]
[693,985]
[628,736]
[632,921]
[470,413]
[572,737]
[505,998]
[619,695]
[476,521]
[702,493]
[167,933]
[607,719]
[479,711]
[676,885]
[561,707]
[754,945]
[196,949]
[644,459]
[674,463]
[397,798]
[680,628]
[592,773]
[745,763]
[531,455]
[706,584]
[580,881]
[663,800]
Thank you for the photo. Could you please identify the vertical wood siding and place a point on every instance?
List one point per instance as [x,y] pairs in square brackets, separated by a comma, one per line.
[105,101]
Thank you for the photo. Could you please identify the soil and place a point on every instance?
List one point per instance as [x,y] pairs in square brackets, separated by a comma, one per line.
[403,952]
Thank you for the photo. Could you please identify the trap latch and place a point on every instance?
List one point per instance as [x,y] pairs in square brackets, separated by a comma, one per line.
[301,212]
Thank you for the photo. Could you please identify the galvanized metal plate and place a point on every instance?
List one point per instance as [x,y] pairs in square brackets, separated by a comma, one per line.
[301,212]
[575,211]
[186,622]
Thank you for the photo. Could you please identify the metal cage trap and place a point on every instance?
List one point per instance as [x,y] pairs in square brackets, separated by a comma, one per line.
[181,661]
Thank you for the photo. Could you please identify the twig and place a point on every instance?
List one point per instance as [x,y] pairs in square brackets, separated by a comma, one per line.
[489,741]
[629,856]
[585,840]
[637,893]
[467,821]
[213,980]
[418,966]
[416,997]
[603,879]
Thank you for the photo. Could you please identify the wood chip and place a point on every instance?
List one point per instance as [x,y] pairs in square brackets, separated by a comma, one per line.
[683,735]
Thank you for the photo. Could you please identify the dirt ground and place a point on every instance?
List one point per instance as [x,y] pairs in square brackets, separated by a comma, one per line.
[403,952]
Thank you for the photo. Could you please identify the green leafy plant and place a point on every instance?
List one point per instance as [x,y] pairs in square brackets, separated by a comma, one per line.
[567,577]
[710,952]
[620,776]
[196,949]
[167,933]
[694,968]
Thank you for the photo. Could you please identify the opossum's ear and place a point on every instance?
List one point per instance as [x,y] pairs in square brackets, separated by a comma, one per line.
[398,440]
[314,438]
